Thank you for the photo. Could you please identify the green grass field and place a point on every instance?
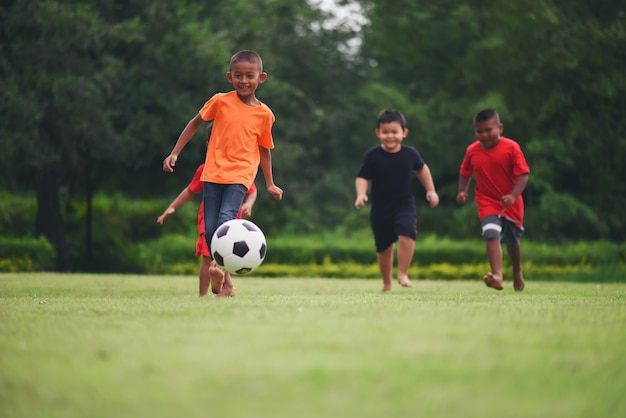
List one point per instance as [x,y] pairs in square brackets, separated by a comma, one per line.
[147,346]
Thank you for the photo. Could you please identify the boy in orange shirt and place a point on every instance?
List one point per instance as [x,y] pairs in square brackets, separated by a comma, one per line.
[240,142]
[202,249]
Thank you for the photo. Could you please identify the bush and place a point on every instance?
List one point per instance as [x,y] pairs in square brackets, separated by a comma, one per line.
[26,254]
[169,254]
[433,250]
[18,214]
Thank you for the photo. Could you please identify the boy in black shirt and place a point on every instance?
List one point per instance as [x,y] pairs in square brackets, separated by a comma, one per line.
[389,168]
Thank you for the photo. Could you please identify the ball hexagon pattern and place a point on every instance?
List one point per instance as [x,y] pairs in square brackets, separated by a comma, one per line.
[238,246]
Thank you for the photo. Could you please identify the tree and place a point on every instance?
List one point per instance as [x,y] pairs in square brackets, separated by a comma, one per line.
[55,106]
[552,69]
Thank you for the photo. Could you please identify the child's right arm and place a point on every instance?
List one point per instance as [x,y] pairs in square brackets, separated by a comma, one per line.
[361,192]
[180,200]
[185,136]
[463,186]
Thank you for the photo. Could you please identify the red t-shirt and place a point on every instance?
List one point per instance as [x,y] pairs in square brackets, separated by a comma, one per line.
[196,186]
[496,171]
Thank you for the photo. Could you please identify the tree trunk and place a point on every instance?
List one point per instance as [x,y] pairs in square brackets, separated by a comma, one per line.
[49,219]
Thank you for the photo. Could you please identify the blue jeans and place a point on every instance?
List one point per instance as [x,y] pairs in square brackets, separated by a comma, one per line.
[221,204]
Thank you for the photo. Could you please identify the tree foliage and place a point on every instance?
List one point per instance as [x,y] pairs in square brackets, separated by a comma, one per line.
[553,70]
[94,95]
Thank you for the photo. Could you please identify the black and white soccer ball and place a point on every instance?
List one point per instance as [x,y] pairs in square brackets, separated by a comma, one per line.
[238,246]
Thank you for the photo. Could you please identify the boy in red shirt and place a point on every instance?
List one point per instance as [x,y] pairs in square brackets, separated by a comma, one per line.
[241,141]
[501,173]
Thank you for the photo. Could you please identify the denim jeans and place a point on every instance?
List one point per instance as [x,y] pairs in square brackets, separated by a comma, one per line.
[221,204]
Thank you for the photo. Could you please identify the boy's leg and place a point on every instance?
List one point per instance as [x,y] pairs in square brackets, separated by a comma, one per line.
[494,254]
[221,204]
[212,200]
[232,198]
[512,236]
[228,289]
[492,234]
[385,264]
[515,253]
[216,278]
[205,277]
[406,248]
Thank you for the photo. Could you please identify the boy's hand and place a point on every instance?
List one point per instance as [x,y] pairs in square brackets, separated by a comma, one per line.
[461,197]
[167,213]
[433,198]
[508,199]
[275,191]
[246,210]
[169,163]
[360,201]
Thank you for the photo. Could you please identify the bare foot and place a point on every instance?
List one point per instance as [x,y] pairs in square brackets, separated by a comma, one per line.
[518,283]
[226,292]
[386,287]
[493,281]
[404,281]
[217,278]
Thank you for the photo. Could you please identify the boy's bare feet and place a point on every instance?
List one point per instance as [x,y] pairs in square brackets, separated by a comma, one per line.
[518,283]
[226,292]
[404,281]
[217,278]
[493,281]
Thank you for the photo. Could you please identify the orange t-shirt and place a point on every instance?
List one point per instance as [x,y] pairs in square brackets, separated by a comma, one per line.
[238,130]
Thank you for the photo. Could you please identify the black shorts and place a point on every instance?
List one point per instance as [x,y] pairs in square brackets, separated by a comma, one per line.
[387,228]
[498,227]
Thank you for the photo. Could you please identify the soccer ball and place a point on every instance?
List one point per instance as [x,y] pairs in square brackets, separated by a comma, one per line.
[238,246]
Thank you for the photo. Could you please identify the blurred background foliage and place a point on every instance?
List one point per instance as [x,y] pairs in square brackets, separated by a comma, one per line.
[93,96]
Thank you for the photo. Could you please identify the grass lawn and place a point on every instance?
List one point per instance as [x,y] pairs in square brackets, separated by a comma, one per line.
[147,346]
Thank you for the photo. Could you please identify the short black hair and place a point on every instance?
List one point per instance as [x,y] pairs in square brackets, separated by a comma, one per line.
[485,115]
[391,115]
[247,55]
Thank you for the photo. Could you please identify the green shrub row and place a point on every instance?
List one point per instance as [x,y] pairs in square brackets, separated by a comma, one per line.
[174,254]
[434,250]
[25,254]
[342,257]
[444,271]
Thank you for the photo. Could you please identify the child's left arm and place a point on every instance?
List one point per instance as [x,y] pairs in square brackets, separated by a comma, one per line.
[426,179]
[518,188]
[180,200]
[246,207]
[266,166]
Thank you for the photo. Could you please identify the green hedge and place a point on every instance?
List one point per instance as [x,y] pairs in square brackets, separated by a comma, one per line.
[434,250]
[435,258]
[126,238]
[347,270]
[26,254]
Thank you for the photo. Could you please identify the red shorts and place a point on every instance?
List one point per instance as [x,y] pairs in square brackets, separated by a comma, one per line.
[201,247]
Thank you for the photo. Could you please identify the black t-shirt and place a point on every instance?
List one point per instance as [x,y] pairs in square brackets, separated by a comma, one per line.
[391,176]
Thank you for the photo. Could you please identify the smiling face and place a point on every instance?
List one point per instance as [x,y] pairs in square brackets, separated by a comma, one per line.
[488,132]
[245,77]
[391,135]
